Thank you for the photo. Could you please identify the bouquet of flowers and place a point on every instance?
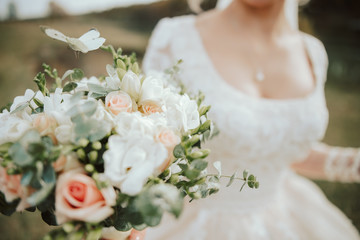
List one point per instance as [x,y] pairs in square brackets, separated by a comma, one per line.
[102,156]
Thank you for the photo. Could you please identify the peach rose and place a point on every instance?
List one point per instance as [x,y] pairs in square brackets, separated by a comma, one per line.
[169,139]
[66,162]
[11,186]
[46,125]
[78,198]
[150,108]
[118,102]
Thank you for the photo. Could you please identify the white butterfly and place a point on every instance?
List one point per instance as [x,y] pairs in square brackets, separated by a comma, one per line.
[87,42]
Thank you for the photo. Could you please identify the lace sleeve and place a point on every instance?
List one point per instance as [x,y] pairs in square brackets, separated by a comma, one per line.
[158,54]
[341,164]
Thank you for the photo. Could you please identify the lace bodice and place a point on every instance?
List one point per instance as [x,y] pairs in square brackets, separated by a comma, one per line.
[262,135]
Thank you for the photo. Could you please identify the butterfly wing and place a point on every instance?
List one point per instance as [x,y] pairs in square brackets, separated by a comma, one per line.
[92,40]
[55,34]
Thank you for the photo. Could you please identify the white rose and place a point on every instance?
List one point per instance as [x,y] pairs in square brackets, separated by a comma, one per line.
[181,112]
[129,162]
[65,133]
[12,127]
[151,91]
[131,84]
[128,124]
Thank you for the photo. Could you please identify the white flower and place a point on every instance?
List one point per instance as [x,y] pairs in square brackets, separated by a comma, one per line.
[151,91]
[12,127]
[29,94]
[129,124]
[131,84]
[82,85]
[129,162]
[112,81]
[181,112]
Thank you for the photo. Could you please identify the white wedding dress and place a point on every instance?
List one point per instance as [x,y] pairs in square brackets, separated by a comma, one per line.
[263,135]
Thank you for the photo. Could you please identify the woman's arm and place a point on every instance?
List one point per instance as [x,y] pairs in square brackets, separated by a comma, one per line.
[331,163]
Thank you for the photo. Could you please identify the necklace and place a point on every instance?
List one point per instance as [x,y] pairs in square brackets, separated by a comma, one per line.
[259,75]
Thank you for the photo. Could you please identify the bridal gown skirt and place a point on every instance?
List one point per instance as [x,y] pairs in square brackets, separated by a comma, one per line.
[298,210]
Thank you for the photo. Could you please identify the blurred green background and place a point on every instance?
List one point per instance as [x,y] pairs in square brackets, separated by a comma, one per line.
[23,48]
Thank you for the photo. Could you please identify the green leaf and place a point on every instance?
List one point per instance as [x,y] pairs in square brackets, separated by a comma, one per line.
[49,218]
[38,102]
[121,222]
[69,86]
[192,174]
[4,148]
[78,74]
[155,200]
[243,185]
[20,107]
[179,151]
[27,177]
[40,195]
[20,156]
[199,164]
[231,180]
[49,174]
[7,208]
[94,234]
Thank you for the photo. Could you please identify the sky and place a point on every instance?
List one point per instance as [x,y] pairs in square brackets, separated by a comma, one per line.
[27,9]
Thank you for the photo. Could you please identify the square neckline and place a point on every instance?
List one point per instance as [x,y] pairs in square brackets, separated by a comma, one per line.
[238,92]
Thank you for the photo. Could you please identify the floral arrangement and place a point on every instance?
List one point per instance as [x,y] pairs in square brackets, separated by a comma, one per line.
[102,156]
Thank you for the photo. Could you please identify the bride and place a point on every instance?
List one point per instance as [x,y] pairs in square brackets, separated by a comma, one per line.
[264,80]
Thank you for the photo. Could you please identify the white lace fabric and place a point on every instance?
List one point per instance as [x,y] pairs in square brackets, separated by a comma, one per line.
[262,135]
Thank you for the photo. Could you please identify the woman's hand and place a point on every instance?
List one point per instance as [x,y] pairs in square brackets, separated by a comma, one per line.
[137,235]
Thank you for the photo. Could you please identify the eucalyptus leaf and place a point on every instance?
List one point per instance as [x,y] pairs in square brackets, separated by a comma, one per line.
[232,178]
[179,151]
[40,195]
[27,177]
[77,74]
[49,175]
[69,86]
[20,155]
[192,173]
[155,200]
[199,164]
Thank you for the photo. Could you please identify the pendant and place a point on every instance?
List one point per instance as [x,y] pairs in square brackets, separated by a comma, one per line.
[259,76]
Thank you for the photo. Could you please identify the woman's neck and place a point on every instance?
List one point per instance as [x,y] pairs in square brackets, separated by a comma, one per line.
[269,20]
